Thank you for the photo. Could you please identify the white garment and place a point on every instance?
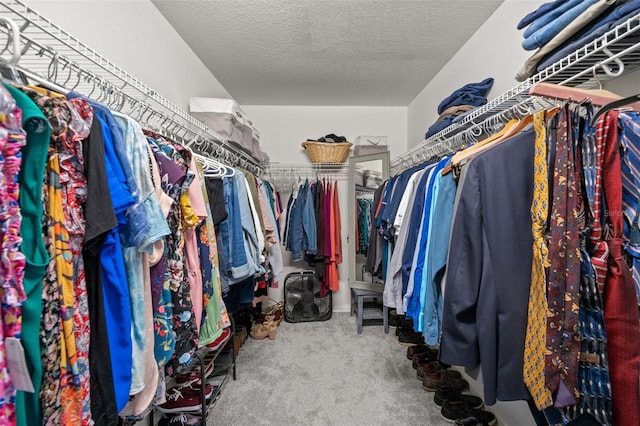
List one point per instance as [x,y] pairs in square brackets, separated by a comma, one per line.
[403,207]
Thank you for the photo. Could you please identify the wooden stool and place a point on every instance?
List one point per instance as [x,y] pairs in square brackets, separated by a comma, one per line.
[358,297]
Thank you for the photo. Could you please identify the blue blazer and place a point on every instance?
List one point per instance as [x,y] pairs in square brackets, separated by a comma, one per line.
[489,270]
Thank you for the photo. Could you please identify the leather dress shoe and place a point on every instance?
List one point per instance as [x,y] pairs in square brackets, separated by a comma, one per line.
[445,393]
[427,367]
[423,358]
[431,382]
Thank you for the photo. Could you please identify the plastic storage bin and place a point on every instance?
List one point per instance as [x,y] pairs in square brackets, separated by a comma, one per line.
[370,145]
[224,116]
[255,143]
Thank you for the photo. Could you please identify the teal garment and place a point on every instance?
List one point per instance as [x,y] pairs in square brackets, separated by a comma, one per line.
[34,157]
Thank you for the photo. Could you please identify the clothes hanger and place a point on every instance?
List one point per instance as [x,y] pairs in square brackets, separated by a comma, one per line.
[598,97]
[628,101]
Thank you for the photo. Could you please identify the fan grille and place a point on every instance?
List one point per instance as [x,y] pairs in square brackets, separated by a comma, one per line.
[302,301]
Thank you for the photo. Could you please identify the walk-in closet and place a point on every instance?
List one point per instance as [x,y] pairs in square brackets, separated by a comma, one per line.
[349,212]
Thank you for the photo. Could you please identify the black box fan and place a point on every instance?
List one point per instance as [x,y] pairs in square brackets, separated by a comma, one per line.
[302,301]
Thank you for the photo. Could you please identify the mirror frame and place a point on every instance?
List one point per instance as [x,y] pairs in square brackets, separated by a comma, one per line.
[353,161]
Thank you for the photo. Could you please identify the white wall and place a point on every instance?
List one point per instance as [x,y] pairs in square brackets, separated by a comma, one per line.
[136,37]
[284,128]
[493,51]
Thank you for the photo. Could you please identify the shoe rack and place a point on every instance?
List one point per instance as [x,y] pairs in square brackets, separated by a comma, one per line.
[224,359]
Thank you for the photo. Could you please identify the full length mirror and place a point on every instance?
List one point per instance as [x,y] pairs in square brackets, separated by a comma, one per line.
[366,176]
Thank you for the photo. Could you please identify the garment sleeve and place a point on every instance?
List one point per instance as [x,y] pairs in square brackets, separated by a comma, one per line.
[459,345]
[309,222]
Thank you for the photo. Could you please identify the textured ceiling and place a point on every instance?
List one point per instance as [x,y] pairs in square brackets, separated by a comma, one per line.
[325,52]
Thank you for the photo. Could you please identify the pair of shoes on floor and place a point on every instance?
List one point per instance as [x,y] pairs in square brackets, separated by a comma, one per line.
[180,419]
[277,316]
[464,414]
[266,329]
[423,351]
[410,338]
[435,377]
[423,358]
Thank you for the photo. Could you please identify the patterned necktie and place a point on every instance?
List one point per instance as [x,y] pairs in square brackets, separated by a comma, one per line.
[630,144]
[593,371]
[620,300]
[563,338]
[599,249]
[534,346]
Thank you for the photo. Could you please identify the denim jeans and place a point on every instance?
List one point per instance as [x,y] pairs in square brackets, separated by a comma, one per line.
[545,14]
[542,36]
[541,11]
[613,19]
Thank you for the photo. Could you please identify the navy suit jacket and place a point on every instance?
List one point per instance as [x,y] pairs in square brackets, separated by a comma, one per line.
[489,270]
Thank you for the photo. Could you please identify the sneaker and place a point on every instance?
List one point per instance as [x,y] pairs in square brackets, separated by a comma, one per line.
[181,399]
[453,411]
[193,376]
[182,419]
[445,393]
[221,340]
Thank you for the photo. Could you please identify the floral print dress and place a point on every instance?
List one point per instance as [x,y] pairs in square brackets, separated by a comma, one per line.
[176,178]
[12,261]
[65,332]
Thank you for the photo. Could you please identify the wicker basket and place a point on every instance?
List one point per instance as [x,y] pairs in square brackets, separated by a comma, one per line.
[324,152]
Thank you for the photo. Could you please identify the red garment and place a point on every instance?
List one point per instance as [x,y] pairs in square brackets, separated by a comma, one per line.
[337,229]
[620,306]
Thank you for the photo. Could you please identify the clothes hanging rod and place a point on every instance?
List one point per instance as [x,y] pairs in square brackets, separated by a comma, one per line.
[587,67]
[53,54]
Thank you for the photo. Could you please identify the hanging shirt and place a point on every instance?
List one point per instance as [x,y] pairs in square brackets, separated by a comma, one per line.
[136,227]
[115,284]
[437,256]
[30,179]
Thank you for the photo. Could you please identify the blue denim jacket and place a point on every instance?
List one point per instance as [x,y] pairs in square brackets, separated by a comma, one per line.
[302,233]
[540,37]
[230,237]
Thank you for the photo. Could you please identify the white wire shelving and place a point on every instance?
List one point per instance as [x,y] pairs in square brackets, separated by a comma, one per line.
[55,55]
[607,57]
